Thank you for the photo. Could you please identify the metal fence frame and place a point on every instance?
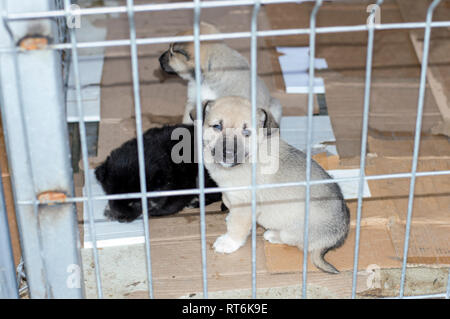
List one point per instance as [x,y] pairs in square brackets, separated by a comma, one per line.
[28,199]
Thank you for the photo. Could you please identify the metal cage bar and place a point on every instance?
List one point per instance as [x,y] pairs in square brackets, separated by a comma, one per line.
[420,104]
[145,8]
[140,143]
[84,152]
[365,127]
[253,79]
[312,50]
[210,190]
[199,140]
[236,35]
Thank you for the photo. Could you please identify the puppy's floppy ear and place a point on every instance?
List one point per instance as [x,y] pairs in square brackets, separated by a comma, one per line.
[206,106]
[267,121]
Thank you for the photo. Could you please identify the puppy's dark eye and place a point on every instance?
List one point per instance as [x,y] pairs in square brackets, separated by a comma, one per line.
[217,127]
[246,132]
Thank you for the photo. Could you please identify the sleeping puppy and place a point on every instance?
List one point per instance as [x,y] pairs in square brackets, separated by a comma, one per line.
[164,169]
[224,71]
[227,153]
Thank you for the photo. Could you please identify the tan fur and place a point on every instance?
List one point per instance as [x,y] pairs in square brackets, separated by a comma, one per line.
[207,48]
[279,210]
[225,72]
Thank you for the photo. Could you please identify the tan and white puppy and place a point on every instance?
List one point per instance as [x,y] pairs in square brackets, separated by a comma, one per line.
[225,72]
[227,153]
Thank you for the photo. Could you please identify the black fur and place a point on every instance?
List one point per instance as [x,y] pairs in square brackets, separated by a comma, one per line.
[120,174]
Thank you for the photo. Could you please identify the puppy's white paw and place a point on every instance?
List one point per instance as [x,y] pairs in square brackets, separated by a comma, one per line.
[225,244]
[272,236]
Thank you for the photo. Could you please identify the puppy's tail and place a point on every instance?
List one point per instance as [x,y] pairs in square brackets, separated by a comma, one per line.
[317,257]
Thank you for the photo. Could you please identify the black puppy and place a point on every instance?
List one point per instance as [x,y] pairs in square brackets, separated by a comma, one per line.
[120,174]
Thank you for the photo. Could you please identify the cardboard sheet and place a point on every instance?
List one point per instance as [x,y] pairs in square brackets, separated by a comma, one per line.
[294,63]
[90,68]
[429,242]
[293,131]
[350,188]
